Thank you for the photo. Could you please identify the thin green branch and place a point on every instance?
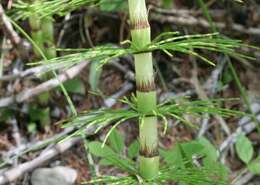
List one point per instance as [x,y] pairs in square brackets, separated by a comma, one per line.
[189,175]
[181,44]
[231,67]
[244,95]
[164,111]
[23,10]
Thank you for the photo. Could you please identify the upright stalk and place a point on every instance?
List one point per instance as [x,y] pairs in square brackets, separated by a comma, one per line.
[48,37]
[42,32]
[36,33]
[146,94]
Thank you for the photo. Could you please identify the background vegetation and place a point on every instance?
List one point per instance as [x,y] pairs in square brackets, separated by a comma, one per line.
[57,92]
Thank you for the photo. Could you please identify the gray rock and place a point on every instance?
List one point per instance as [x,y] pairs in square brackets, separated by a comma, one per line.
[54,176]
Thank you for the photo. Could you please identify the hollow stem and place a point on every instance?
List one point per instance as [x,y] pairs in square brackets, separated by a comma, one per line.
[42,32]
[48,37]
[146,94]
[36,33]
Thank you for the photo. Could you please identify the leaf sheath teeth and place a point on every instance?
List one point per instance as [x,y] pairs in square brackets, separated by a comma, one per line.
[148,152]
[145,86]
[139,24]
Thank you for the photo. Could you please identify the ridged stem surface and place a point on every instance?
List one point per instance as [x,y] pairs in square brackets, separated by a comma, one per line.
[36,33]
[146,94]
[48,37]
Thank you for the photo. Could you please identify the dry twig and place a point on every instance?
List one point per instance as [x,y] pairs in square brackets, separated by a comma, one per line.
[14,37]
[34,72]
[18,171]
[59,148]
[246,125]
[188,20]
[46,86]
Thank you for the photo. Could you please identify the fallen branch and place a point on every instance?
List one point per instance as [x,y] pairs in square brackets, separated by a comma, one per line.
[46,86]
[211,86]
[194,21]
[244,179]
[185,12]
[16,40]
[8,28]
[14,153]
[246,125]
[29,147]
[34,72]
[16,172]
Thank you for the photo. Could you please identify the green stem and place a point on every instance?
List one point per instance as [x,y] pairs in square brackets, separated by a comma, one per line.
[2,57]
[42,32]
[146,94]
[36,33]
[94,75]
[244,95]
[72,107]
[48,37]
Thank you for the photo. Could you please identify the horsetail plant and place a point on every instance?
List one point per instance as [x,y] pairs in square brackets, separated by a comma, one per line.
[42,29]
[36,31]
[143,106]
[48,8]
[48,37]
[146,92]
[42,32]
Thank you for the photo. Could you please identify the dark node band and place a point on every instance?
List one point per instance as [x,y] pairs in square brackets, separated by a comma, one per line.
[148,153]
[139,24]
[145,87]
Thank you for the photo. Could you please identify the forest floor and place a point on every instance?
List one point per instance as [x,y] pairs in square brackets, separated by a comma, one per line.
[24,122]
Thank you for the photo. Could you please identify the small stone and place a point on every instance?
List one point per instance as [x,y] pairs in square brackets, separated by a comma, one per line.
[54,176]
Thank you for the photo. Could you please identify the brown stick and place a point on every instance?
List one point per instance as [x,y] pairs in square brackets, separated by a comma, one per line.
[16,172]
[59,148]
[16,40]
[8,28]
[46,86]
[193,21]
